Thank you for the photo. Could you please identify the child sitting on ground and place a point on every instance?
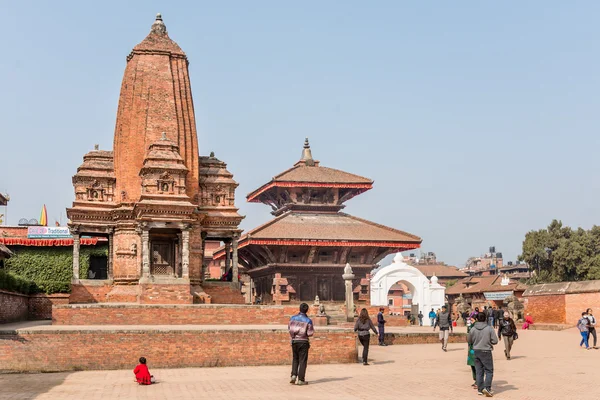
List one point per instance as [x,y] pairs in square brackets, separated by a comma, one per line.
[142,375]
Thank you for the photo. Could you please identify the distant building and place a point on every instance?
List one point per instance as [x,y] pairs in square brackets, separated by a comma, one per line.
[480,291]
[4,199]
[518,270]
[486,265]
[430,266]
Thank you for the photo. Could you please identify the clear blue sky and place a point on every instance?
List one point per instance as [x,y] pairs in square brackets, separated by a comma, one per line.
[478,121]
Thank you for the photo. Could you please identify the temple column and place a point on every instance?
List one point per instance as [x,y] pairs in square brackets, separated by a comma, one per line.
[227,255]
[185,254]
[203,265]
[110,255]
[76,242]
[234,258]
[348,276]
[145,253]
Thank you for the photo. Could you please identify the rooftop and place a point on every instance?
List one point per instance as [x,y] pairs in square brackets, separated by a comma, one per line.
[440,270]
[480,284]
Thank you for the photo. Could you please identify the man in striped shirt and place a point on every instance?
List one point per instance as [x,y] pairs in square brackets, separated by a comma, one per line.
[300,328]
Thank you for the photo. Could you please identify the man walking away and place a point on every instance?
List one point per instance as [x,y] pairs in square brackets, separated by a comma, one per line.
[507,330]
[584,328]
[300,328]
[592,328]
[483,338]
[444,321]
[381,326]
[420,316]
[432,317]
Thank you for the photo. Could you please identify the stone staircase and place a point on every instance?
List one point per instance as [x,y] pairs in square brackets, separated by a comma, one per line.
[336,314]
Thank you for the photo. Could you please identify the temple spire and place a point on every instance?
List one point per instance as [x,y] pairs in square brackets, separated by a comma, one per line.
[307,154]
[159,26]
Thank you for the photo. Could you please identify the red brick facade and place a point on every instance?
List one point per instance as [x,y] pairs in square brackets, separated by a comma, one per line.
[197,314]
[547,309]
[59,350]
[223,293]
[20,307]
[13,307]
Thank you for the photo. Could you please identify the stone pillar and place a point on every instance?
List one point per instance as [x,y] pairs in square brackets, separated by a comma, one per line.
[110,255]
[227,255]
[348,276]
[145,253]
[234,258]
[203,265]
[76,256]
[185,254]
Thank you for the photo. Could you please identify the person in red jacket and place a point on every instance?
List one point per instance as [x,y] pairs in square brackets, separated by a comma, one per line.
[142,375]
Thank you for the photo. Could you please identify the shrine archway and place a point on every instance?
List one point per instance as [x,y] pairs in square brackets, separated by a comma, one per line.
[426,294]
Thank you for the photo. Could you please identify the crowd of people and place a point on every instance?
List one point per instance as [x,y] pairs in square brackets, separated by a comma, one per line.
[481,339]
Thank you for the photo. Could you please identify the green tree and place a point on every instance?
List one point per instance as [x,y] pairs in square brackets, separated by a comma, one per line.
[559,253]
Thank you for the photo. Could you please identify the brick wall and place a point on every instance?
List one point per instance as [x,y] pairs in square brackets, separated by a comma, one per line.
[165,294]
[40,305]
[19,307]
[43,350]
[223,292]
[577,303]
[418,338]
[547,308]
[196,314]
[89,293]
[13,307]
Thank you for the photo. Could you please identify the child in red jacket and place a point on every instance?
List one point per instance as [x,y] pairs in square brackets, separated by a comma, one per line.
[142,375]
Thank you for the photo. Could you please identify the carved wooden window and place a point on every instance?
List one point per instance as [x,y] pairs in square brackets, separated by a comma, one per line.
[325,257]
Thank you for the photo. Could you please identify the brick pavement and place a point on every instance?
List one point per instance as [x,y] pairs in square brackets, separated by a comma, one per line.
[545,365]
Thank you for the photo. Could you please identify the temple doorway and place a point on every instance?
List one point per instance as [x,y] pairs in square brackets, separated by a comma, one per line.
[165,254]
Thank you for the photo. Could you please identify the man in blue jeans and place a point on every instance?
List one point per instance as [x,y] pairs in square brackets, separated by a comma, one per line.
[483,338]
[432,316]
[300,328]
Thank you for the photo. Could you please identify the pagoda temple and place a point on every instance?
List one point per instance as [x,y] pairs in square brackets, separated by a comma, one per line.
[302,252]
[154,197]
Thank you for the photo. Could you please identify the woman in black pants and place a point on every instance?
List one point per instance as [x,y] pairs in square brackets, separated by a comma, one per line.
[592,328]
[363,326]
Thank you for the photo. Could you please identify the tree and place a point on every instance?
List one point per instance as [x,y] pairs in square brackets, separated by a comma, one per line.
[559,253]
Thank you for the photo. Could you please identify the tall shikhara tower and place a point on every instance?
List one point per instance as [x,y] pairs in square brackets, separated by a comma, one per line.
[154,197]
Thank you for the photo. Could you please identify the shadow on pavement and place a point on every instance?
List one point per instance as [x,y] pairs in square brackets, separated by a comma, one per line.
[382,362]
[502,386]
[18,386]
[324,380]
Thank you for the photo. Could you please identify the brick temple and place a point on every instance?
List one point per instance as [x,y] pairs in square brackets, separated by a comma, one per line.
[302,252]
[154,197]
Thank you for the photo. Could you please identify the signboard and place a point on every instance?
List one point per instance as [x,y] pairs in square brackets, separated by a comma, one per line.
[48,232]
[497,295]
[407,296]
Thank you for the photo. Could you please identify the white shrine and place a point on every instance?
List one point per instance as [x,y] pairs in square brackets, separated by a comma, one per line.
[426,294]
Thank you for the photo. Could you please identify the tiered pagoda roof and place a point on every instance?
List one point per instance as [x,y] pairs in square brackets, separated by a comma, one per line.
[306,200]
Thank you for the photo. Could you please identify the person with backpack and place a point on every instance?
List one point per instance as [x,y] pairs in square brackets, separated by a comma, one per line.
[592,328]
[507,330]
[483,338]
[584,328]
[444,321]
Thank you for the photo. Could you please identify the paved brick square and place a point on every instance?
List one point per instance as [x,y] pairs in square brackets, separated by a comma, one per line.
[545,365]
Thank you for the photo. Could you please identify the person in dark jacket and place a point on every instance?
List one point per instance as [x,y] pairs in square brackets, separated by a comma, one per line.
[420,316]
[363,326]
[381,326]
[592,327]
[300,328]
[444,321]
[507,330]
[483,338]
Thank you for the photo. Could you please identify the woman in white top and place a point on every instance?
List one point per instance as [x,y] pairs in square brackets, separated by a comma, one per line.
[592,328]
